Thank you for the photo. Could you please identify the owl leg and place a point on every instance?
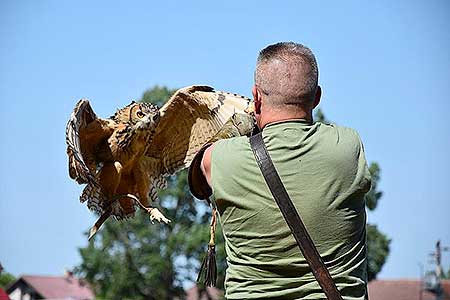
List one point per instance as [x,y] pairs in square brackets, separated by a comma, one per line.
[144,189]
[155,213]
[110,175]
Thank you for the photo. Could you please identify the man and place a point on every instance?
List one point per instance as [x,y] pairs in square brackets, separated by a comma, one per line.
[324,171]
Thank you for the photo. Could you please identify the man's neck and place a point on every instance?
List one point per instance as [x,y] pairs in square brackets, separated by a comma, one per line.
[279,116]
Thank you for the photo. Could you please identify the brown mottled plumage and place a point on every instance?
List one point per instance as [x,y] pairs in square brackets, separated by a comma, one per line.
[125,159]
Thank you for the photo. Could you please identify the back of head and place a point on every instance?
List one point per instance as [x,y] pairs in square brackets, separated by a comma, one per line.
[287,74]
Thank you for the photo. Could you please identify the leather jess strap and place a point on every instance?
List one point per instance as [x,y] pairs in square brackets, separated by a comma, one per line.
[292,218]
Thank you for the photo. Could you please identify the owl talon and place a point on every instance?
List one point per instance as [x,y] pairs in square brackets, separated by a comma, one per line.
[155,214]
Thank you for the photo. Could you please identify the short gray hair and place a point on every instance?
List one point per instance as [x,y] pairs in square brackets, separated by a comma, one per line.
[287,74]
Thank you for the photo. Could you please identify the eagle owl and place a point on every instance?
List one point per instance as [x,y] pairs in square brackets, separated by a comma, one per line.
[124,159]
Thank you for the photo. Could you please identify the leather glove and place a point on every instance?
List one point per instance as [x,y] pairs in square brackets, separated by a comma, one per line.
[198,185]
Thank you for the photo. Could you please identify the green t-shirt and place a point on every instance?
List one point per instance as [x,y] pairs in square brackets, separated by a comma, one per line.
[325,173]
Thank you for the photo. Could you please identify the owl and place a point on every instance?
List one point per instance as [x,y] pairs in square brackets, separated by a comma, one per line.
[124,160]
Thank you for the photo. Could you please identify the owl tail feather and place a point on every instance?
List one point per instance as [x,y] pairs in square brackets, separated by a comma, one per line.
[107,213]
[100,222]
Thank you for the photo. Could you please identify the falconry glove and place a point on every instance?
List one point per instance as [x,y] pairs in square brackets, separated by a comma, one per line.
[198,184]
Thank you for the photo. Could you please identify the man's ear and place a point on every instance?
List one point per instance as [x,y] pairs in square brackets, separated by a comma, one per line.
[317,97]
[257,100]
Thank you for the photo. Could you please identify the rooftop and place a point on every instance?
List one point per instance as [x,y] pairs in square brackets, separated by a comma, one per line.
[56,287]
[404,289]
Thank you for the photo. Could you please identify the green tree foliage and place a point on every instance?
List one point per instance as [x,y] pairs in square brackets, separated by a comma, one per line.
[157,95]
[320,116]
[5,279]
[377,242]
[374,194]
[378,250]
[135,259]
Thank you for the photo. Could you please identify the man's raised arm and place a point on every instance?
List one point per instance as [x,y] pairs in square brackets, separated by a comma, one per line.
[199,176]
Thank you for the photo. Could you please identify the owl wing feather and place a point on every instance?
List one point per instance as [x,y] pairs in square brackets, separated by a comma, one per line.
[190,119]
[84,132]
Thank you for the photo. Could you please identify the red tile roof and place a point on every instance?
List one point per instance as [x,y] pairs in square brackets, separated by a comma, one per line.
[210,293]
[403,289]
[59,287]
[3,295]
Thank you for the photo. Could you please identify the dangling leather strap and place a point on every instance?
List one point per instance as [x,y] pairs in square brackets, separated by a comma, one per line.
[292,218]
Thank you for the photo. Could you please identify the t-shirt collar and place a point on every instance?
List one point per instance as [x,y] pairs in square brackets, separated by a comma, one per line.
[301,121]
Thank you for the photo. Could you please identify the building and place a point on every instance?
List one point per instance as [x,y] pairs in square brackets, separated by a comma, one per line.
[49,287]
[406,289]
[3,295]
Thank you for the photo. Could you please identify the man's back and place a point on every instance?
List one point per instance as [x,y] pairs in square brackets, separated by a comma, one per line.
[325,173]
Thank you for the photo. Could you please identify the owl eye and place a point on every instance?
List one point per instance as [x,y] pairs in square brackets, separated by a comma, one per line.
[140,114]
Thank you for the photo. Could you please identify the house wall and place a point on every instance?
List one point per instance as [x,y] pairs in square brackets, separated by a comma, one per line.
[16,294]
[21,293]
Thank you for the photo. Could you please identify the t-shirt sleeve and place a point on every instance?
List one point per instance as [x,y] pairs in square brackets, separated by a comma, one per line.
[229,165]
[366,181]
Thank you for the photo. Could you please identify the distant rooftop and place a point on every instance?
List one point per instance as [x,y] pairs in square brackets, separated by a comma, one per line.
[55,287]
[404,289]
[3,295]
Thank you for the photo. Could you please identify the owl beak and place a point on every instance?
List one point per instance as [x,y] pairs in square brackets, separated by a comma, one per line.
[147,122]
[150,120]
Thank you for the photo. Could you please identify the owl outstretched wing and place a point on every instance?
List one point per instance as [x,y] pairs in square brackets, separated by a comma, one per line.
[192,117]
[84,132]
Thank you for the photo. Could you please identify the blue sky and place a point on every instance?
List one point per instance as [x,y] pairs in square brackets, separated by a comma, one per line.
[384,70]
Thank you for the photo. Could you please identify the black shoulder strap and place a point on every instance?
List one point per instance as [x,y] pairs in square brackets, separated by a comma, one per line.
[293,219]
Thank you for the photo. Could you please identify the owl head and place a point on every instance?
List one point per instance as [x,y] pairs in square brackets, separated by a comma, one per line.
[135,112]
